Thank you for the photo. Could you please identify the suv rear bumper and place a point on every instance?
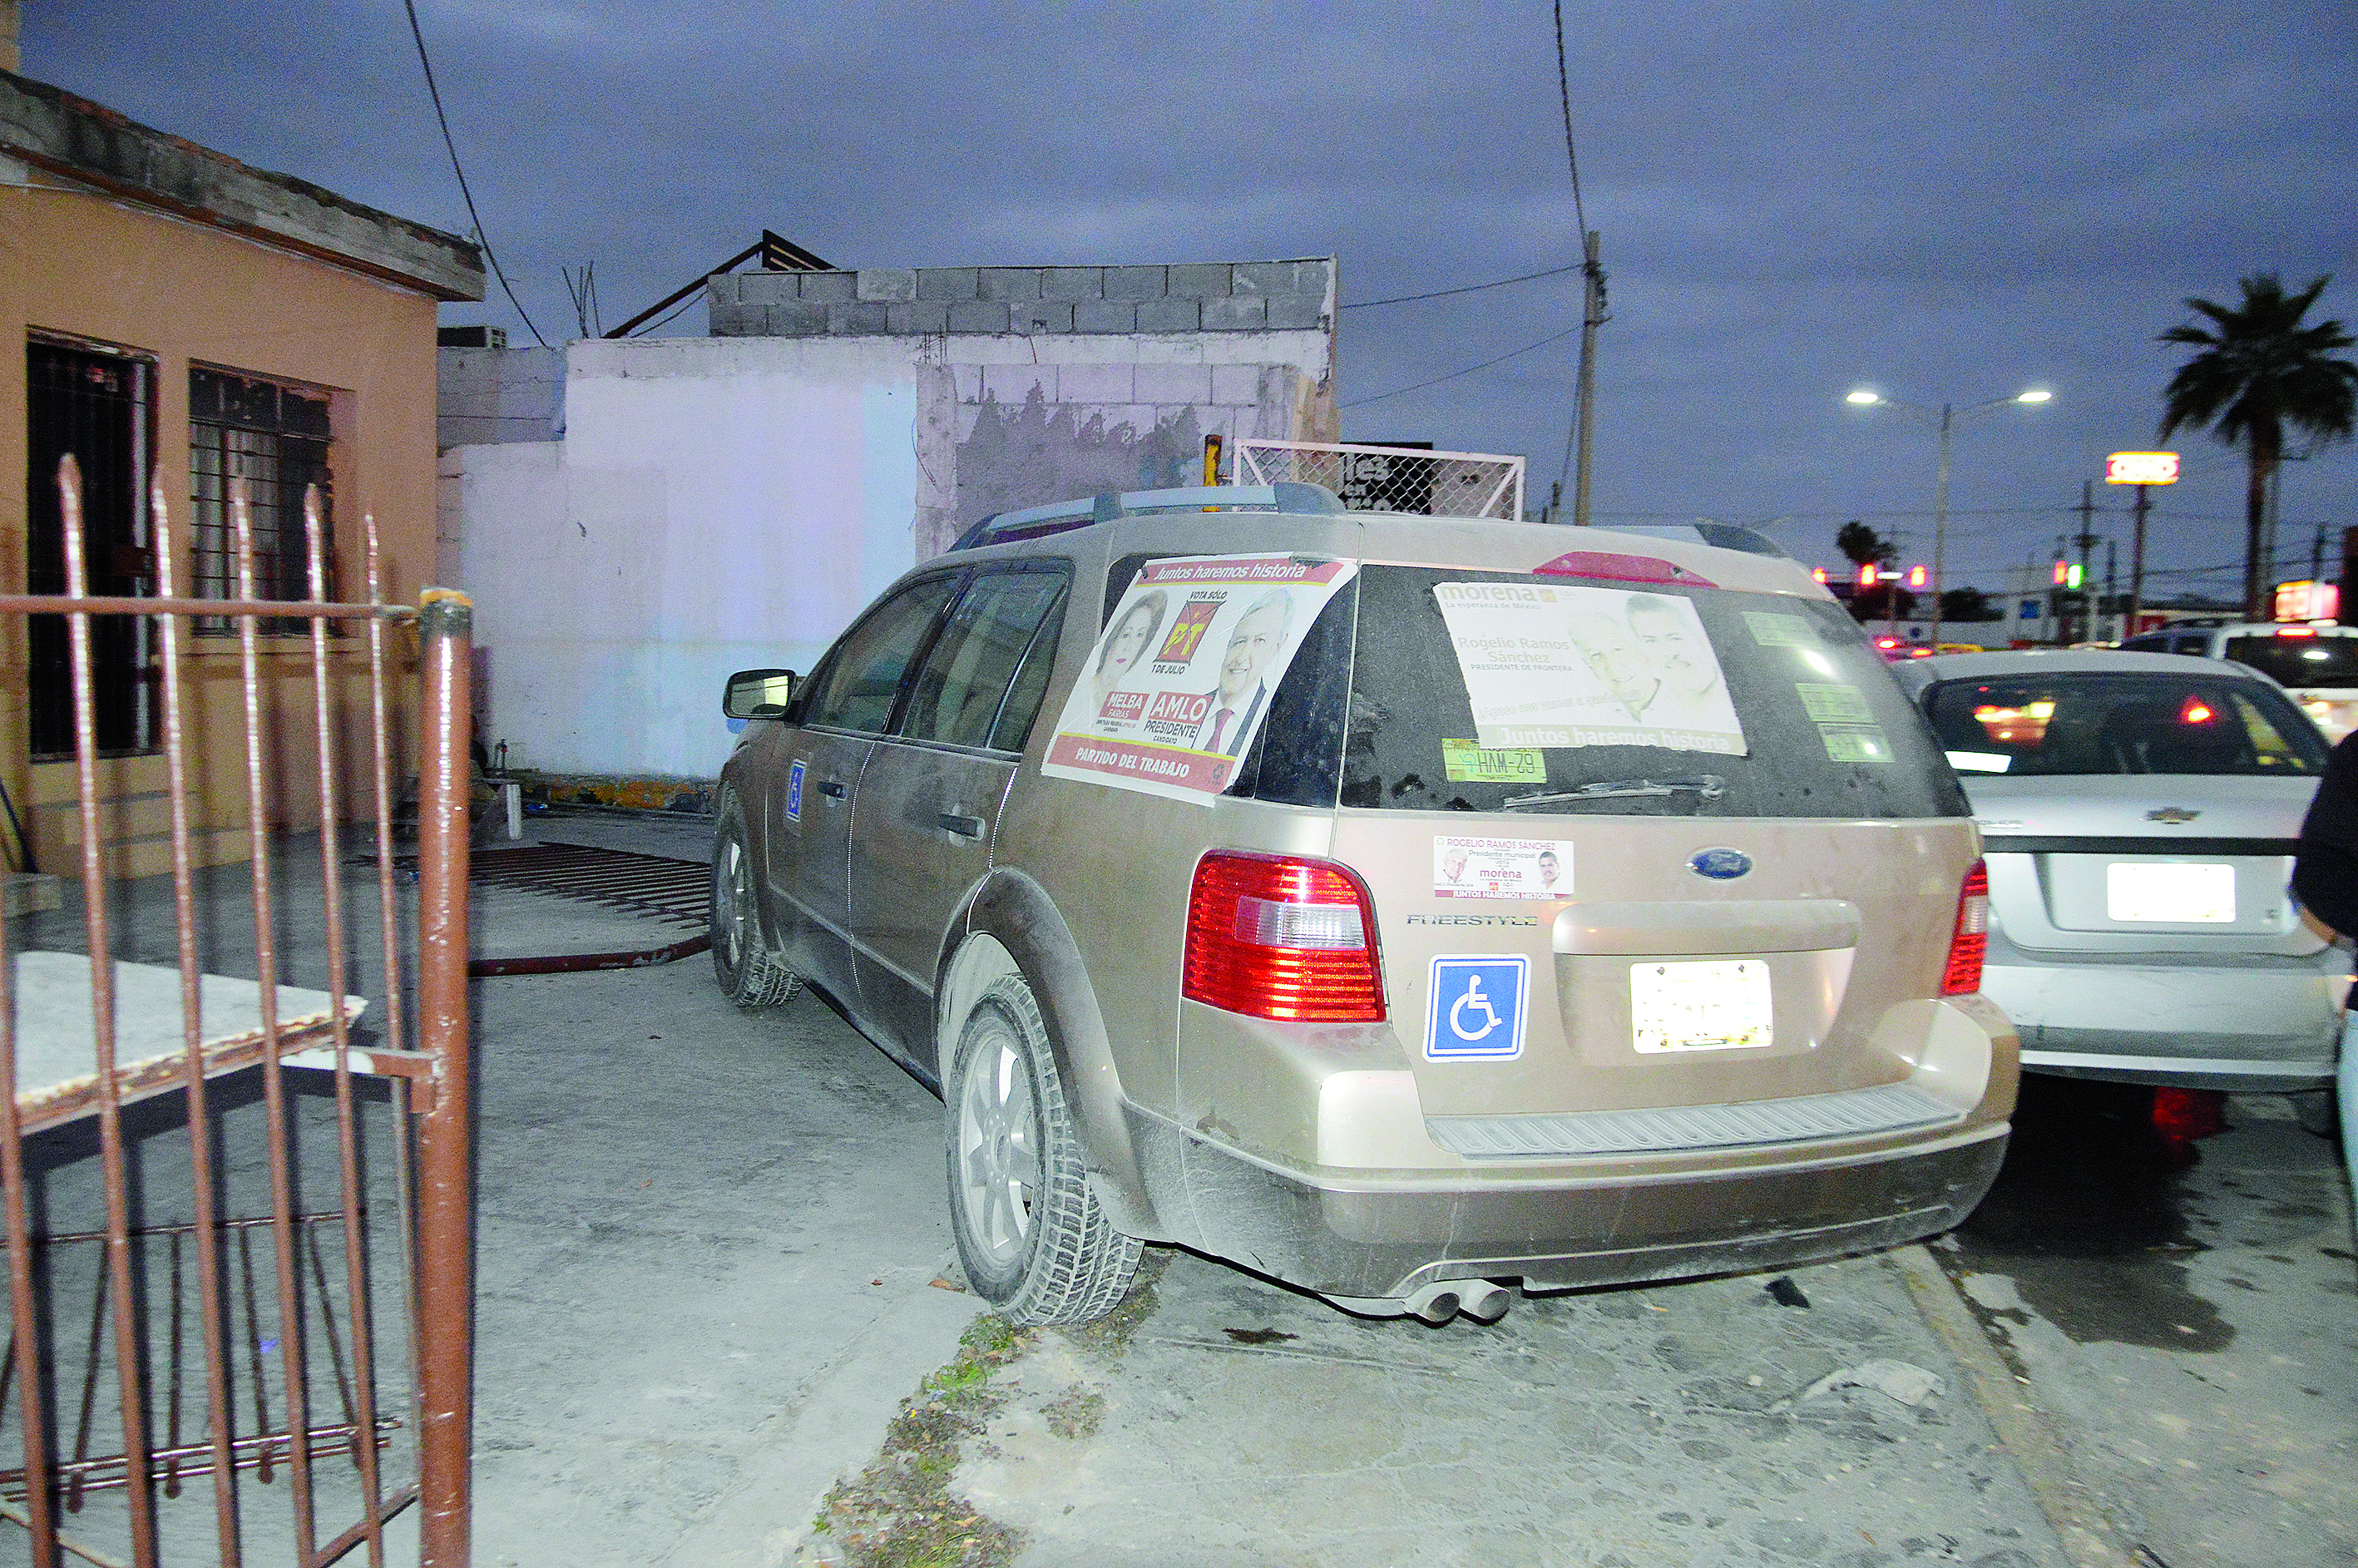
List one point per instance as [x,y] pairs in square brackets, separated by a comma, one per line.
[1385,1238]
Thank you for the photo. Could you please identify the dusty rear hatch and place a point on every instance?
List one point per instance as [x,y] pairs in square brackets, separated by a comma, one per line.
[1643,850]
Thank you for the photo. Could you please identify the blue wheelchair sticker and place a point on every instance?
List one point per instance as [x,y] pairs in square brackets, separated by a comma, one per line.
[1474,1008]
[794,792]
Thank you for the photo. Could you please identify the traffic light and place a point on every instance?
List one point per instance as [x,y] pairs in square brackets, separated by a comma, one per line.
[1819,573]
[1915,577]
[1866,574]
[2062,571]
[2071,577]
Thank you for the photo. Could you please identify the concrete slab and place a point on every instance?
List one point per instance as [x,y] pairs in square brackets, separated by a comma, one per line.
[2190,1337]
[1244,1422]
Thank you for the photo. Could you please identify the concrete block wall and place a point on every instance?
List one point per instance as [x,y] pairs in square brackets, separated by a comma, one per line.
[1211,296]
[486,397]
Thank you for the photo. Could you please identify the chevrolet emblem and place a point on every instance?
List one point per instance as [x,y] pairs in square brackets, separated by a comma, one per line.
[2175,816]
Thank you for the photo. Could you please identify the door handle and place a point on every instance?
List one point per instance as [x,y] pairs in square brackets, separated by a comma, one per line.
[964,827]
[831,788]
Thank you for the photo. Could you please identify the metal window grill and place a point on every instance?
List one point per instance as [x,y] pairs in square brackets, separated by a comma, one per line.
[100,405]
[1390,478]
[238,1220]
[273,440]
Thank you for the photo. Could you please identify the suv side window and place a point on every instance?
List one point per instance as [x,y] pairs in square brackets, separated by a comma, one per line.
[868,666]
[964,681]
[1022,705]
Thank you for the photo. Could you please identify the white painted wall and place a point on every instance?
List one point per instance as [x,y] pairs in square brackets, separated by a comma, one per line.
[707,512]
[718,503]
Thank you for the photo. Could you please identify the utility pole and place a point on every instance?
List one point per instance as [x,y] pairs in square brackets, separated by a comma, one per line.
[1593,317]
[2086,540]
[2112,604]
[1941,523]
[2136,568]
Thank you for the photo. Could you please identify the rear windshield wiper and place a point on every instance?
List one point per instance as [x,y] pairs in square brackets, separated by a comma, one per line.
[1708,786]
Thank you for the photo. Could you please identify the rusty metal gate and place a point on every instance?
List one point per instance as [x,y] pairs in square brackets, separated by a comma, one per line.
[237,1183]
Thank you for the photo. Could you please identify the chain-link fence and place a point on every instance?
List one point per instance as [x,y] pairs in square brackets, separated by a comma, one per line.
[1390,478]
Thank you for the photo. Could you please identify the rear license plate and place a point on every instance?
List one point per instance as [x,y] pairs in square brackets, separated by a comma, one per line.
[1715,1004]
[2170,892]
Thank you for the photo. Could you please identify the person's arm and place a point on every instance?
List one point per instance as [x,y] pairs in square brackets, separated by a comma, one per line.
[2325,879]
[2325,865]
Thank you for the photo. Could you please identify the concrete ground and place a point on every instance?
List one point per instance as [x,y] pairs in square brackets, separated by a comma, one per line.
[712,1316]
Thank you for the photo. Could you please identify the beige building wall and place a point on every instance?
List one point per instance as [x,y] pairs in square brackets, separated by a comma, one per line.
[82,266]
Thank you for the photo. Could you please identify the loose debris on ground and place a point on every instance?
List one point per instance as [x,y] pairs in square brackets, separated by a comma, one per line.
[900,1511]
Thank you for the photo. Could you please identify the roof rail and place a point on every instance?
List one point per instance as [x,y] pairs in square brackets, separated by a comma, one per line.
[1038,521]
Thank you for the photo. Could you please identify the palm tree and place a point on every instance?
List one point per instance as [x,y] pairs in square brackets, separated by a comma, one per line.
[2260,371]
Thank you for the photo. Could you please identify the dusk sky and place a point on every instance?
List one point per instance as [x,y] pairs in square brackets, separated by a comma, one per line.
[1941,202]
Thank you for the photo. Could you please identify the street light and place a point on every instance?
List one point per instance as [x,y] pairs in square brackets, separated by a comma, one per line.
[1943,419]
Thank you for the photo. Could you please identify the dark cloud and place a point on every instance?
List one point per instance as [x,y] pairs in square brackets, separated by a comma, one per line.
[1943,202]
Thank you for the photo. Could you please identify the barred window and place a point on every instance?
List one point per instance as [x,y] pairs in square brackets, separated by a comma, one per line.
[274,438]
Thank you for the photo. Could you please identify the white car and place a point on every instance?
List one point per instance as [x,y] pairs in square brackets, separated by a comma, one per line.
[2138,812]
[2317,666]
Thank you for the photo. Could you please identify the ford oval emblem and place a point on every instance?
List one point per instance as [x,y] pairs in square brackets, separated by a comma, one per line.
[1719,865]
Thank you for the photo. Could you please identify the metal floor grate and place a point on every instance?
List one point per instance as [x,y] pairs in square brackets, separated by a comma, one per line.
[674,892]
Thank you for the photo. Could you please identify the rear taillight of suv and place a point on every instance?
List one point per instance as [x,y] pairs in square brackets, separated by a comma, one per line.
[1970,940]
[1283,936]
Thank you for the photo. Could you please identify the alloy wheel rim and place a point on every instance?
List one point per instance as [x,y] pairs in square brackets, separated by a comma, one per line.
[732,921]
[998,1152]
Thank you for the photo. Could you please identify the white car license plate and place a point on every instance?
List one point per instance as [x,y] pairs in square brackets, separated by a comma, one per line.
[1713,1004]
[2170,892]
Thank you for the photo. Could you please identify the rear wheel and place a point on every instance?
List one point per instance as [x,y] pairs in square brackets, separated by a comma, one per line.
[1030,1233]
[2313,1108]
[748,975]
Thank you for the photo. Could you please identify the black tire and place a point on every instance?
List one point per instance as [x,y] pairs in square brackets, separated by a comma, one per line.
[1032,1240]
[749,973]
[2316,1112]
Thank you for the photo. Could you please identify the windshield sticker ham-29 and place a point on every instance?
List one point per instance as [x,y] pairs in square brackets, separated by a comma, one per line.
[1179,682]
[1587,666]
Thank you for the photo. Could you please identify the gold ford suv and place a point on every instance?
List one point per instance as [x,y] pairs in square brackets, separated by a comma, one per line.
[1409,909]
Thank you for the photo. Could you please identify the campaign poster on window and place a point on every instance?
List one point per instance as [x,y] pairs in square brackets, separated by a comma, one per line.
[1547,665]
[1180,680]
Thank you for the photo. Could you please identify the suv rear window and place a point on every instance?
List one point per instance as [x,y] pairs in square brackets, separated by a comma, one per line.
[2062,725]
[1826,731]
[2299,661]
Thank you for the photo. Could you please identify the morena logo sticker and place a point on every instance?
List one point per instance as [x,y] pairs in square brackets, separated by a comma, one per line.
[1721,865]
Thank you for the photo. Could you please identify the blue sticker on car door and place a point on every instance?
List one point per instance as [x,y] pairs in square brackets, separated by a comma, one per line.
[794,792]
[1475,1007]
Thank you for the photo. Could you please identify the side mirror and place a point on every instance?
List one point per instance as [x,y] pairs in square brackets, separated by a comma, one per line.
[758,694]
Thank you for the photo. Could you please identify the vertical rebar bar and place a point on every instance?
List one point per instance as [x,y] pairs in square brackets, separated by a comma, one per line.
[219,1415]
[273,1071]
[139,1489]
[389,912]
[24,1346]
[363,1341]
[445,1154]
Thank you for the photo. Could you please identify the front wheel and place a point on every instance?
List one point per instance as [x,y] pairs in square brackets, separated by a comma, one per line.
[1030,1233]
[749,975]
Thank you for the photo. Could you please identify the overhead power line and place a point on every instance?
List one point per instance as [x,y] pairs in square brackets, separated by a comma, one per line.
[1466,288]
[1470,369]
[1563,92]
[477,218]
